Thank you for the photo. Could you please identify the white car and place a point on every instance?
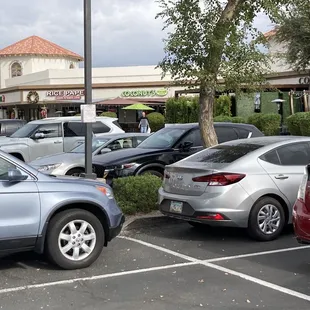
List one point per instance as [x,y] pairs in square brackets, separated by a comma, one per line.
[53,135]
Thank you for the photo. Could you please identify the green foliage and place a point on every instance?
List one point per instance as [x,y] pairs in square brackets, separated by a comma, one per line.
[305,124]
[182,110]
[109,114]
[137,194]
[269,124]
[222,106]
[238,119]
[294,123]
[222,118]
[156,121]
[294,31]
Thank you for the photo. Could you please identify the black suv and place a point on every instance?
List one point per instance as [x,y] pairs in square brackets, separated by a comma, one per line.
[165,147]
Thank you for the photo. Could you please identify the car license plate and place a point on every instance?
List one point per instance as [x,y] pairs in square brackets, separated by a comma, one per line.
[176,207]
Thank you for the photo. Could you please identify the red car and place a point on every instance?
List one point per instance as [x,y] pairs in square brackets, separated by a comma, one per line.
[301,210]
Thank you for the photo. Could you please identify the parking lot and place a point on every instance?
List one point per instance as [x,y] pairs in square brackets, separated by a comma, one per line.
[167,266]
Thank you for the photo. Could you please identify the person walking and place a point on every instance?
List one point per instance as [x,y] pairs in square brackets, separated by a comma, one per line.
[144,123]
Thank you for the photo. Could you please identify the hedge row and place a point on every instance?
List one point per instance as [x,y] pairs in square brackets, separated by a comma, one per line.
[269,124]
[299,124]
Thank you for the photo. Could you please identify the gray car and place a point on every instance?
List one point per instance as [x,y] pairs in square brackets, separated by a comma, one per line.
[73,162]
[249,183]
[68,218]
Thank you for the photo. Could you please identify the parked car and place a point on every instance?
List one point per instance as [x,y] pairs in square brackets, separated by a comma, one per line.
[71,219]
[301,211]
[164,147]
[73,162]
[250,183]
[53,135]
[9,126]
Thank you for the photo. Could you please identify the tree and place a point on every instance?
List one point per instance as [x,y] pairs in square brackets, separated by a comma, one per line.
[213,41]
[294,31]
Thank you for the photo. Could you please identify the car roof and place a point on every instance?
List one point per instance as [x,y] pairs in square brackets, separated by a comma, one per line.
[271,141]
[71,118]
[123,135]
[196,125]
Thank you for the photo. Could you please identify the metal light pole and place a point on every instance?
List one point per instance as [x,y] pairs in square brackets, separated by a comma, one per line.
[88,87]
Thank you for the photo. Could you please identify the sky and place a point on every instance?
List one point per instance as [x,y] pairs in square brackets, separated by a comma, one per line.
[125,32]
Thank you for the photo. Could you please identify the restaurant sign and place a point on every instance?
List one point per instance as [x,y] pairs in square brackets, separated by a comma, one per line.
[65,94]
[145,93]
[2,98]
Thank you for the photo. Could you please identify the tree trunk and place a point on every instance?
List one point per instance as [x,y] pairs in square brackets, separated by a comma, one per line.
[206,102]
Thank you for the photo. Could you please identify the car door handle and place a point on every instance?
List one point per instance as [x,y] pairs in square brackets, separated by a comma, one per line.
[57,142]
[281,177]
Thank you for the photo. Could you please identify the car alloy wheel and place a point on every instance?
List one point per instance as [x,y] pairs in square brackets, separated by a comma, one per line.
[268,219]
[77,240]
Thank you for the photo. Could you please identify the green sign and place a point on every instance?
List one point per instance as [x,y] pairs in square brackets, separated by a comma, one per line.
[2,98]
[145,93]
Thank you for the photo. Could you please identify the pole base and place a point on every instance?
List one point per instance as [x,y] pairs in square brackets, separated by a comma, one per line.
[91,176]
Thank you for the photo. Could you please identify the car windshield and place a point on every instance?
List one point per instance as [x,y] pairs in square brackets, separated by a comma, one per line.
[25,132]
[97,143]
[162,139]
[223,154]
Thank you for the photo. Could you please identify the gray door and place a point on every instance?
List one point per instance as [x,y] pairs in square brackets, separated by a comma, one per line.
[74,133]
[51,143]
[19,209]
[285,165]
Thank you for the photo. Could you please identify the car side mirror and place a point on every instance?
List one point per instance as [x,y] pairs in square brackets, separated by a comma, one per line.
[105,150]
[186,146]
[39,135]
[14,175]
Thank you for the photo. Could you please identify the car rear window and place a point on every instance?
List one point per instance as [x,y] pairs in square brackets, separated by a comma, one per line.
[117,124]
[223,153]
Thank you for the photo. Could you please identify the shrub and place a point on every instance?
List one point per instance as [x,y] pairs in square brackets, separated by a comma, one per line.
[156,121]
[270,124]
[294,123]
[137,194]
[222,106]
[304,120]
[222,118]
[109,114]
[238,119]
[255,119]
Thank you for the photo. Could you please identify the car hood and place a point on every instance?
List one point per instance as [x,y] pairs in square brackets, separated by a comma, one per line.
[57,159]
[73,180]
[124,155]
[8,140]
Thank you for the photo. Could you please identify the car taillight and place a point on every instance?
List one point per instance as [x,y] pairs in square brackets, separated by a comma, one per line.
[302,188]
[220,179]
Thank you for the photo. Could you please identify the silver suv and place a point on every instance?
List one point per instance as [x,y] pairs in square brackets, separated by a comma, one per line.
[53,135]
[69,219]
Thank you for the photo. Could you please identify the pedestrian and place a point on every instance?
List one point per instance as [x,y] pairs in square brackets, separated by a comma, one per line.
[144,123]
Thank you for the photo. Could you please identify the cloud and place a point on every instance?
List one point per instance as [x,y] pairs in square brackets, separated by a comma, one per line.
[125,32]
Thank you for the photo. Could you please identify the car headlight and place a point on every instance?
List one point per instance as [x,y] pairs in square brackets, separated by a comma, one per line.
[48,167]
[106,191]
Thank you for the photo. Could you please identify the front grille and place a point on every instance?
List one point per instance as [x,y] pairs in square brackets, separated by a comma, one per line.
[98,170]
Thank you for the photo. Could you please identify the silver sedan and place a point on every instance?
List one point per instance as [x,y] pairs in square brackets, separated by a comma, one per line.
[249,183]
[73,162]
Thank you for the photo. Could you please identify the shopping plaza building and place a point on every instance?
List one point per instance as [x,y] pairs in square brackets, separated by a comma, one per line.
[38,77]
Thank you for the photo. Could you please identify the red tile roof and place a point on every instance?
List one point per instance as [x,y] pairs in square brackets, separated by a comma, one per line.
[37,46]
[270,33]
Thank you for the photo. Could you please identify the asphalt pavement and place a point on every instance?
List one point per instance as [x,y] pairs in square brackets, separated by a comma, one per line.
[167,265]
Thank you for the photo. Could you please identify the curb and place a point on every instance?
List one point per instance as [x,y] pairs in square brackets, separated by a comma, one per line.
[147,220]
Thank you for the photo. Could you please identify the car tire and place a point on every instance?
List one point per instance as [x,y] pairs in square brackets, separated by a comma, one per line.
[264,215]
[61,226]
[198,225]
[75,172]
[153,172]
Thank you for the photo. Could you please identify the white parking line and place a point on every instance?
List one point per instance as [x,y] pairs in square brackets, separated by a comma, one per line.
[208,263]
[218,259]
[93,278]
[258,281]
